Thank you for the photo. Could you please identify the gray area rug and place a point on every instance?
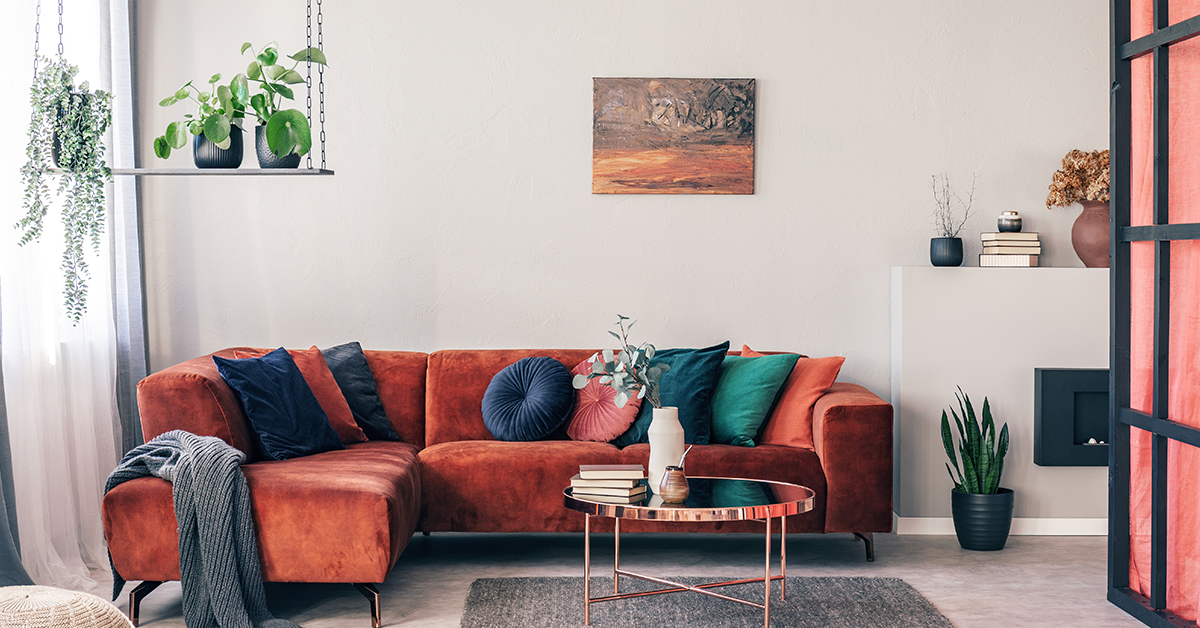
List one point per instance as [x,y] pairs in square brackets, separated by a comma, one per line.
[825,602]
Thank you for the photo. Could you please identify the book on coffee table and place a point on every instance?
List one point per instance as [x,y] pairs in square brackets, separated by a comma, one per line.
[580,483]
[612,471]
[589,491]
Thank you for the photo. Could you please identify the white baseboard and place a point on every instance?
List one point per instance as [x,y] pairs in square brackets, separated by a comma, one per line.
[1021,526]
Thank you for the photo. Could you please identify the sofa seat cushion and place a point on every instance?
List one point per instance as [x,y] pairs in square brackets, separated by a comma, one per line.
[494,486]
[764,462]
[338,516]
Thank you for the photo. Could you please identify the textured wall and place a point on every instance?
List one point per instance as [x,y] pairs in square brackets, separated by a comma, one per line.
[460,215]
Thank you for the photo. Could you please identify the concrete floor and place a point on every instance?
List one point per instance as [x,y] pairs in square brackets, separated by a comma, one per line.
[1034,581]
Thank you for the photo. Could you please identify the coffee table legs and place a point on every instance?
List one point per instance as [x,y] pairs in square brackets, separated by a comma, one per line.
[676,586]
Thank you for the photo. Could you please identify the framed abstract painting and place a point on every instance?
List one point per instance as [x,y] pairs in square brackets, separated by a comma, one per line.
[672,136]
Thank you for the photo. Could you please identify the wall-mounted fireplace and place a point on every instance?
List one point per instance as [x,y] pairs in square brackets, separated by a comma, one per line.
[1070,417]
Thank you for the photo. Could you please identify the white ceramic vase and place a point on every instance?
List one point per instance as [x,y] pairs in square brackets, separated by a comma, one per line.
[666,443]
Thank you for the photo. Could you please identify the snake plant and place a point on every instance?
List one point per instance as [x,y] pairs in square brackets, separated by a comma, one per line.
[982,455]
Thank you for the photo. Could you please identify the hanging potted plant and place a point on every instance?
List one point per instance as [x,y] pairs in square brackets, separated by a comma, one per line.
[982,509]
[947,248]
[1083,179]
[630,373]
[67,128]
[282,135]
[216,126]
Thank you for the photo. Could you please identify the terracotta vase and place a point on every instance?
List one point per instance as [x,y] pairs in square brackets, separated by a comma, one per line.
[1089,235]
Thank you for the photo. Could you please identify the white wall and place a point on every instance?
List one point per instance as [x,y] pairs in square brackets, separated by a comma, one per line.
[986,330]
[460,215]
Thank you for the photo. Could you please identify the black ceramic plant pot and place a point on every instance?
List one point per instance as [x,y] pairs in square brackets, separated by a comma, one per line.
[267,159]
[945,251]
[205,154]
[982,521]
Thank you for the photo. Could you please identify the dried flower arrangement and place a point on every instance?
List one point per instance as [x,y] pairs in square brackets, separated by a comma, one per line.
[1083,177]
[943,215]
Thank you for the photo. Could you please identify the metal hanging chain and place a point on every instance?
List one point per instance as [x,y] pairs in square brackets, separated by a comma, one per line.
[60,28]
[37,34]
[308,75]
[321,79]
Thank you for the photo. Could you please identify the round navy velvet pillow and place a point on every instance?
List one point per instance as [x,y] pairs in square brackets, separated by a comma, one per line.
[528,400]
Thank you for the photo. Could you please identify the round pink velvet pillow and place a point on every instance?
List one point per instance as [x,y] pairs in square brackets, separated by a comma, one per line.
[597,417]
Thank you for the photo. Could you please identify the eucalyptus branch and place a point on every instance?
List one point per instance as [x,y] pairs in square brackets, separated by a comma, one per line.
[629,371]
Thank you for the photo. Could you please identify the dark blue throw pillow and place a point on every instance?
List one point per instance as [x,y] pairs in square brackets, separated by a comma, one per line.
[528,400]
[285,419]
[689,386]
[354,377]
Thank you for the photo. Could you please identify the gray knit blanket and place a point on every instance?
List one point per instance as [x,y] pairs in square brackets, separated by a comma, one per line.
[218,553]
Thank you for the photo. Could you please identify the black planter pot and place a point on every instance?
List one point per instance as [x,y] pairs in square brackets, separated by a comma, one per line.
[56,145]
[982,521]
[946,251]
[267,159]
[205,154]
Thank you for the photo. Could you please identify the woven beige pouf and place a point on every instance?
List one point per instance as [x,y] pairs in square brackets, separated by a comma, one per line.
[47,607]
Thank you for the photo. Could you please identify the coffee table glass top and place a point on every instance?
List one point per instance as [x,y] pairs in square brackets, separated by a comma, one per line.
[711,499]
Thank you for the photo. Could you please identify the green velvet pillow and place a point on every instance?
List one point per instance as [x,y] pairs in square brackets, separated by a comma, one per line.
[744,395]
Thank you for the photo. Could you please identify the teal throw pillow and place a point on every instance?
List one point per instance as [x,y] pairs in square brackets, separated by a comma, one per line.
[745,393]
[738,494]
[689,386]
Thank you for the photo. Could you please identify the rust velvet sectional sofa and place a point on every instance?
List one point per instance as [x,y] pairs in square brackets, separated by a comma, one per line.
[346,515]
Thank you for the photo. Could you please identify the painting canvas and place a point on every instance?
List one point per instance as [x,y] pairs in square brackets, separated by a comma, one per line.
[672,136]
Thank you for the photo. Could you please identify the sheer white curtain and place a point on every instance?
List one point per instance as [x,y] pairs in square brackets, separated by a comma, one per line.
[60,379]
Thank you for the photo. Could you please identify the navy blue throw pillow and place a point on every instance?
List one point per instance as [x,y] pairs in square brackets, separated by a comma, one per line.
[528,400]
[285,419]
[689,386]
[353,375]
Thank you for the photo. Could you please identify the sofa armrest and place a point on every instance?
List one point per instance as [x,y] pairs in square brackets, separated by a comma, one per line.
[192,396]
[852,434]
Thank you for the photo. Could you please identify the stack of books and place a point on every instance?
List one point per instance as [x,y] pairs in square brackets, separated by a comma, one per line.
[1010,249]
[610,483]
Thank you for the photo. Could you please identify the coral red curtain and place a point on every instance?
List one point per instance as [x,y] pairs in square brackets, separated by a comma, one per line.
[1183,527]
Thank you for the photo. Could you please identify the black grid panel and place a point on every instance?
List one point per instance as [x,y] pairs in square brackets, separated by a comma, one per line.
[1150,610]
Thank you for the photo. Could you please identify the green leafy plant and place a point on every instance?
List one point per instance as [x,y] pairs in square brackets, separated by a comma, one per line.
[217,111]
[287,129]
[67,125]
[982,455]
[628,371]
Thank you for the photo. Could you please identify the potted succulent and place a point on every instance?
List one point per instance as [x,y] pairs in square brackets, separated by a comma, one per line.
[982,509]
[216,125]
[67,127]
[282,135]
[1083,179]
[630,373]
[947,248]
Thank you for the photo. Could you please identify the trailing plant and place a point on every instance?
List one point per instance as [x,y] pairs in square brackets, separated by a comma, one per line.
[943,214]
[217,111]
[287,129]
[628,371]
[68,121]
[982,455]
[1083,177]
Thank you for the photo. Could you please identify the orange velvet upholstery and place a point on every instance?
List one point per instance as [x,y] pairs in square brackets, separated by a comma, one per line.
[338,516]
[852,432]
[400,382]
[457,381]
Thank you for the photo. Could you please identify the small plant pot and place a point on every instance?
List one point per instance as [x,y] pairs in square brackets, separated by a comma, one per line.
[946,251]
[56,145]
[267,159]
[205,154]
[982,522]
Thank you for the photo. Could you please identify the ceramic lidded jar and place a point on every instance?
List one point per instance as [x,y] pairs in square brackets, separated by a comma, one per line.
[1009,222]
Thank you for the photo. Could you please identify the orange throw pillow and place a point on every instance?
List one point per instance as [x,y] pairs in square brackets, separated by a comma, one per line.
[790,422]
[324,387]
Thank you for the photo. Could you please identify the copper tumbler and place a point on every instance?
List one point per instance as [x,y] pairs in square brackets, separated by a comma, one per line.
[674,487]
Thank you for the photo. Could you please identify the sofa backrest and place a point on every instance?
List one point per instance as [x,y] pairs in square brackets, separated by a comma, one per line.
[457,380]
[192,396]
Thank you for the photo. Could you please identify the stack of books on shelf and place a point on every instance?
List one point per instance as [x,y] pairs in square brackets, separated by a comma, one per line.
[611,483]
[1010,248]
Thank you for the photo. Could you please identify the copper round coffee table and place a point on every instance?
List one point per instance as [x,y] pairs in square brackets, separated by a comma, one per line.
[711,499]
